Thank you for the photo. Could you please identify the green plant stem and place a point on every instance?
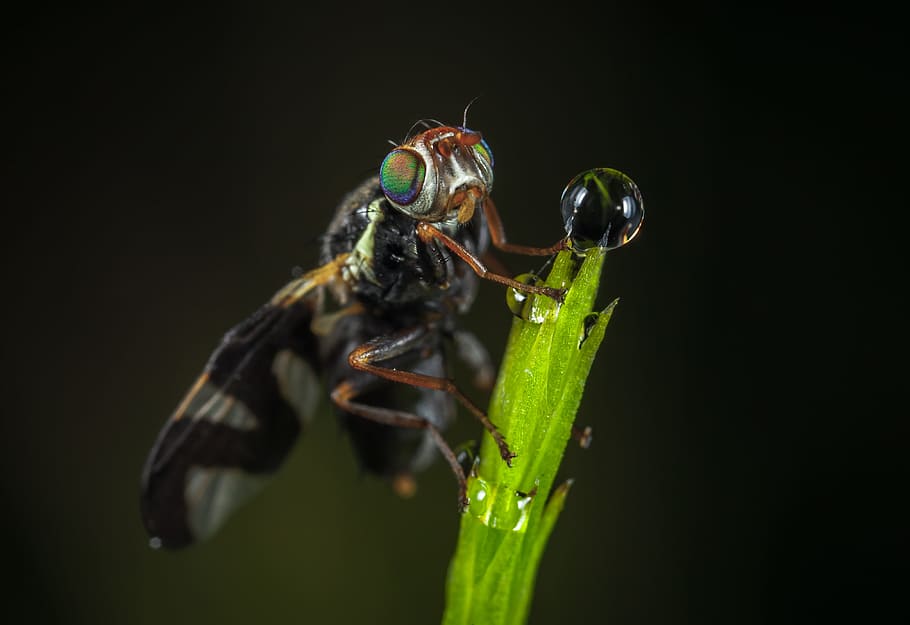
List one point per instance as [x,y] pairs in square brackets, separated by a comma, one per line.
[512,511]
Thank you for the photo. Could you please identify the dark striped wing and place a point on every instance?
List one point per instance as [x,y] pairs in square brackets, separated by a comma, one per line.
[237,423]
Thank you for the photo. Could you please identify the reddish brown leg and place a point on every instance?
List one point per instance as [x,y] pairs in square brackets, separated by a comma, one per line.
[494,264]
[498,234]
[378,350]
[428,232]
[342,396]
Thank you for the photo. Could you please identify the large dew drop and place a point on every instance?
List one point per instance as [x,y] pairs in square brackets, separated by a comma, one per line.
[601,208]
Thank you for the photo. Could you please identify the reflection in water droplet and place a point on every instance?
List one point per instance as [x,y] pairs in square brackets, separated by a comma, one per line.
[588,324]
[601,208]
[498,506]
[467,456]
[522,304]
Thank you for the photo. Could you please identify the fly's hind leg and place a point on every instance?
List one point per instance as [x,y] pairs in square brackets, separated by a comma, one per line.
[367,358]
[343,396]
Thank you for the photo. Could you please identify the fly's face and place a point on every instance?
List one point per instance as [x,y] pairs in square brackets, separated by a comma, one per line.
[440,174]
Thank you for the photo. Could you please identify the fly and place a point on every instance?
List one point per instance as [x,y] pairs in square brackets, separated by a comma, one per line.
[400,261]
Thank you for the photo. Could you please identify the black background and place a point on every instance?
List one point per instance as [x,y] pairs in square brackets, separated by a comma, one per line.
[169,169]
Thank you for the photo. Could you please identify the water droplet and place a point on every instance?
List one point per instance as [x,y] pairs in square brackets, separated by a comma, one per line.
[588,324]
[601,208]
[467,455]
[498,506]
[522,304]
[155,542]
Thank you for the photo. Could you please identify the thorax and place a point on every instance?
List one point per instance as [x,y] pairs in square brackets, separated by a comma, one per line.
[389,267]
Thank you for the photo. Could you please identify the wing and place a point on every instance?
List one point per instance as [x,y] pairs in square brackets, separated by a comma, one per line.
[239,420]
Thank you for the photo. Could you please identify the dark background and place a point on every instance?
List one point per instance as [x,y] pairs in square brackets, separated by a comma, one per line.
[169,169]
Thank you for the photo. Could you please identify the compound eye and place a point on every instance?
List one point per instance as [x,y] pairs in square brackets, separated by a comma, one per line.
[401,175]
[483,148]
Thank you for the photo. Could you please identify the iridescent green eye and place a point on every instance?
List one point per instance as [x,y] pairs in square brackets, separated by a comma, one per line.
[401,175]
[483,148]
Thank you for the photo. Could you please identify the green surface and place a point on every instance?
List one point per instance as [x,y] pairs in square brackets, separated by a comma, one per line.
[511,513]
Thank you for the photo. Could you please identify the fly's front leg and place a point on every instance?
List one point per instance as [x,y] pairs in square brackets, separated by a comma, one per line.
[494,264]
[427,232]
[498,235]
